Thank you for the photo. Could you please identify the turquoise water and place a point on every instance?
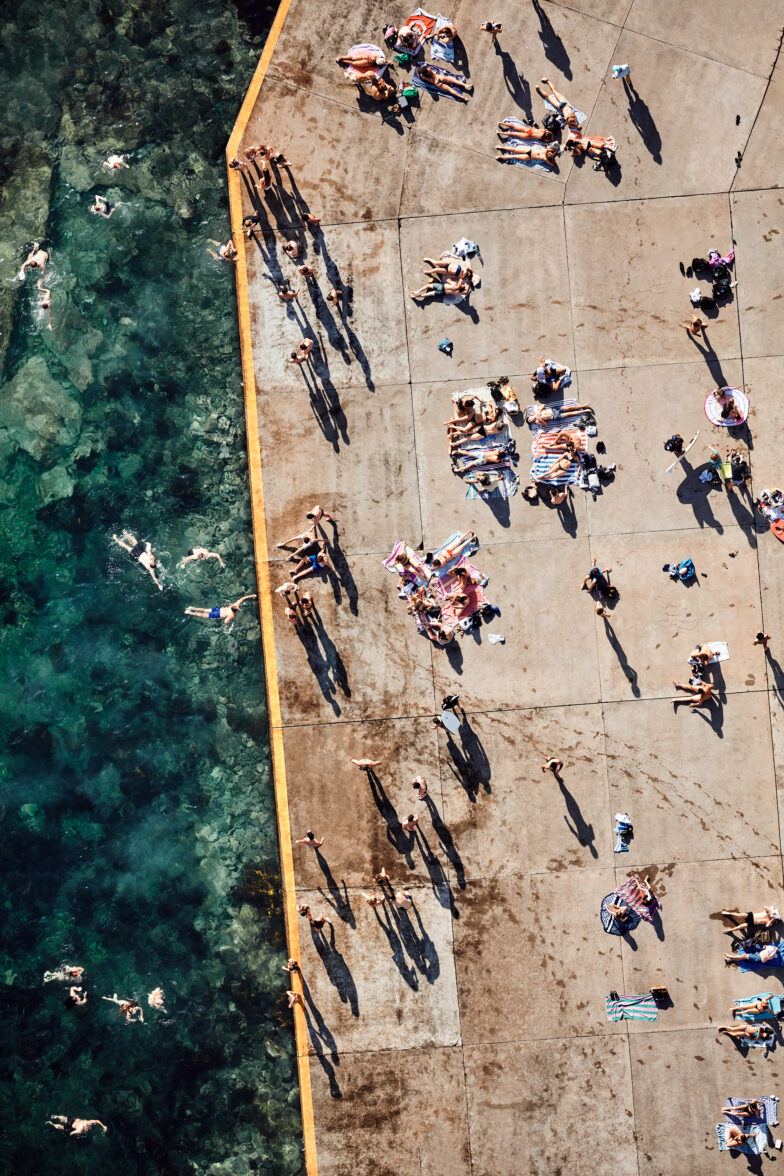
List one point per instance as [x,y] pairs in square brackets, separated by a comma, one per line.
[138,818]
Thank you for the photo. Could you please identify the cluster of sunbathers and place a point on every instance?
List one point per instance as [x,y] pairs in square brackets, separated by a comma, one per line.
[443,590]
[748,1122]
[480,447]
[539,146]
[449,277]
[365,65]
[559,447]
[524,141]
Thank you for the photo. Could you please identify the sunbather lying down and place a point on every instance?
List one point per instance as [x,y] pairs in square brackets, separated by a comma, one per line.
[446,81]
[754,1032]
[540,414]
[486,457]
[562,105]
[747,922]
[517,130]
[449,264]
[754,1004]
[362,59]
[435,288]
[750,1109]
[372,86]
[546,155]
[563,463]
[590,145]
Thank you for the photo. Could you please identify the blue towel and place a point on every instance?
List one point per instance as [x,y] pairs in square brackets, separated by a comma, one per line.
[581,118]
[438,50]
[755,964]
[770,1110]
[776,1003]
[423,85]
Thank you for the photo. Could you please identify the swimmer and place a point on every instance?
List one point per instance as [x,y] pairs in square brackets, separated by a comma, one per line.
[291,248]
[130,1009]
[140,552]
[101,207]
[285,294]
[334,296]
[227,252]
[310,839]
[365,765]
[237,164]
[67,972]
[155,999]
[403,900]
[410,823]
[37,258]
[290,965]
[45,300]
[200,553]
[294,998]
[373,900]
[76,996]
[73,1126]
[226,613]
[306,271]
[310,220]
[115,162]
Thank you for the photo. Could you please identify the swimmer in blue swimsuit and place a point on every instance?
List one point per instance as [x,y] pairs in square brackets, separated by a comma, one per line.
[226,614]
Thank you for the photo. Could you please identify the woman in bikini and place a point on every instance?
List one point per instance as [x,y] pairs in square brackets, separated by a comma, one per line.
[755,1006]
[455,549]
[567,112]
[515,130]
[227,613]
[729,409]
[591,145]
[448,82]
[448,265]
[546,155]
[562,464]
[750,1109]
[753,1032]
[539,414]
[491,429]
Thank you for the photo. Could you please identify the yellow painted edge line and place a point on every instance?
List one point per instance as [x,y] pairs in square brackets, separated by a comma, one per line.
[260,547]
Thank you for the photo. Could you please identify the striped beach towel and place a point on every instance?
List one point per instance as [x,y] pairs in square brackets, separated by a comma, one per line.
[506,487]
[755,1146]
[545,450]
[631,1008]
[770,1111]
[633,895]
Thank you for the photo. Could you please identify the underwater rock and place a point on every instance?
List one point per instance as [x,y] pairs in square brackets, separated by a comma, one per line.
[54,485]
[37,413]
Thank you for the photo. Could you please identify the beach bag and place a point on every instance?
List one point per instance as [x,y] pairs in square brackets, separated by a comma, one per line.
[707,303]
[551,122]
[721,288]
[699,264]
[686,570]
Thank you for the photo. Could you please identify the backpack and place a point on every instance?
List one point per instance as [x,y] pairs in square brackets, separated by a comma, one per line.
[721,288]
[551,122]
[699,264]
[707,303]
[686,570]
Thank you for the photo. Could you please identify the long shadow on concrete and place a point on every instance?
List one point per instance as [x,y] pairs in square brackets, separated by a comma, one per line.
[643,121]
[322,1040]
[324,660]
[400,841]
[335,895]
[447,841]
[469,761]
[337,969]
[554,48]
[623,661]
[517,87]
[396,947]
[575,821]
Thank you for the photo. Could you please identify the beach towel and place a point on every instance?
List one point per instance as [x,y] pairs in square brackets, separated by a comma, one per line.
[547,426]
[610,924]
[439,50]
[423,23]
[634,896]
[713,408]
[769,1115]
[753,963]
[721,651]
[755,1146]
[352,72]
[506,487]
[631,1008]
[544,452]
[533,164]
[581,118]
[434,90]
[420,571]
[776,1003]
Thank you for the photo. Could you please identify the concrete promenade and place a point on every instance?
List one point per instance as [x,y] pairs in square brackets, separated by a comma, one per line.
[469,1035]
